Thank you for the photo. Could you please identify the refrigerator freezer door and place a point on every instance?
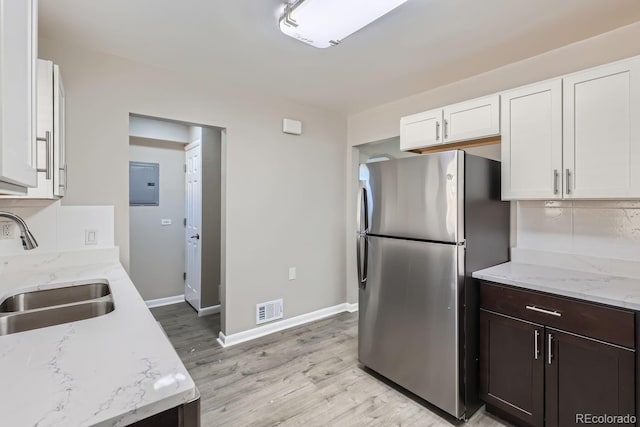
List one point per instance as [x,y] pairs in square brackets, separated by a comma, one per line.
[418,198]
[408,318]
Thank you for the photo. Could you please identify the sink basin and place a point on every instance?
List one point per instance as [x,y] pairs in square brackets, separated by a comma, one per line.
[52,297]
[21,321]
[38,309]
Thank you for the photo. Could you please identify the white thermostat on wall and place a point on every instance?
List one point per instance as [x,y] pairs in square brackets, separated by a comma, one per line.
[293,127]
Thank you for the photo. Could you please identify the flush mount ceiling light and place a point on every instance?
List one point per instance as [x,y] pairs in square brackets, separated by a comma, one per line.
[325,23]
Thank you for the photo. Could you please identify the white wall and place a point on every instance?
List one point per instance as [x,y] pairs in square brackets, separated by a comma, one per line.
[382,122]
[145,127]
[284,200]
[58,228]
[157,251]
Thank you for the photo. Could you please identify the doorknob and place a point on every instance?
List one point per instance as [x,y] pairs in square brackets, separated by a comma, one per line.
[196,236]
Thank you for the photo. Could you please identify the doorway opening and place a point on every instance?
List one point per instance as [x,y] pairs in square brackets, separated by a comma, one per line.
[175,213]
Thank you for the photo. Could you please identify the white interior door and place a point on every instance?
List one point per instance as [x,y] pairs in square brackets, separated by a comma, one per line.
[193,226]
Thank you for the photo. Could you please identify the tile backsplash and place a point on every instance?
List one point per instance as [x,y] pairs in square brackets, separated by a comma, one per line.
[58,228]
[607,229]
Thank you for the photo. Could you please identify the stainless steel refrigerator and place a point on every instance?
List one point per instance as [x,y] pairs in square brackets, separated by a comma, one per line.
[425,223]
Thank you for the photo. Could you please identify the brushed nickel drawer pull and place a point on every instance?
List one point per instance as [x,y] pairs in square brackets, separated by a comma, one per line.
[550,349]
[542,310]
[536,350]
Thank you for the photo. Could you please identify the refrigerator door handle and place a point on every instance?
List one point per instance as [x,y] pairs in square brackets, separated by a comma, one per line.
[363,260]
[363,211]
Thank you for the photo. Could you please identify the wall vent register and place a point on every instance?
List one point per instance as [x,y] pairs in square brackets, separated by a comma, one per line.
[268,311]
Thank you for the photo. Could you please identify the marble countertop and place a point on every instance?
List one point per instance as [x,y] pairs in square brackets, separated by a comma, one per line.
[602,288]
[112,370]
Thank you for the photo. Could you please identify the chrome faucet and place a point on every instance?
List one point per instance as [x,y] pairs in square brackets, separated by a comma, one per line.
[28,241]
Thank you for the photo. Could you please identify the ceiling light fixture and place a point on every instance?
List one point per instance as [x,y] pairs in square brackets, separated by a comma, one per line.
[325,23]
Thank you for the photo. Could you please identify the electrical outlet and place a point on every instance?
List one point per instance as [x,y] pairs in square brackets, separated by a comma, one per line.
[90,237]
[7,230]
[292,273]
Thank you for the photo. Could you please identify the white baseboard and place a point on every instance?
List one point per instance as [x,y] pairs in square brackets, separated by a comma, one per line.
[260,331]
[164,301]
[351,308]
[209,310]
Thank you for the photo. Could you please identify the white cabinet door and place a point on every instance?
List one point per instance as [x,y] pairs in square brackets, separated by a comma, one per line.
[532,142]
[18,52]
[44,132]
[59,135]
[421,130]
[474,119]
[50,142]
[602,132]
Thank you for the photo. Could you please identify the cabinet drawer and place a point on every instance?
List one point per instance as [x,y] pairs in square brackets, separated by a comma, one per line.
[608,324]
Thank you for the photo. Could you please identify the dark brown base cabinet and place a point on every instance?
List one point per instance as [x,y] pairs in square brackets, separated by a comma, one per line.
[187,415]
[540,367]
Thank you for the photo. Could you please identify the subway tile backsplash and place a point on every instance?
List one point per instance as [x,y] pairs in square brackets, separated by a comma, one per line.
[608,229]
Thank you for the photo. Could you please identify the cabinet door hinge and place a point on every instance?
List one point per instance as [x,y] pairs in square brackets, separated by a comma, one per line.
[185,222]
[184,276]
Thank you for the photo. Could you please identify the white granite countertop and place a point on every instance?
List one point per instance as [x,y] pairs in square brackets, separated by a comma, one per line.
[111,370]
[602,288]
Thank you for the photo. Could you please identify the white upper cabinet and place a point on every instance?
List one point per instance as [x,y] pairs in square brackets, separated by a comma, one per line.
[475,119]
[532,142]
[602,132]
[59,135]
[50,145]
[18,53]
[421,130]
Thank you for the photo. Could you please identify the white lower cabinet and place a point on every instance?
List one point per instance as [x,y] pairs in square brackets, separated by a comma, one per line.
[532,142]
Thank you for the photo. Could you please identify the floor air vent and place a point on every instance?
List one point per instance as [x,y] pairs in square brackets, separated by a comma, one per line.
[268,311]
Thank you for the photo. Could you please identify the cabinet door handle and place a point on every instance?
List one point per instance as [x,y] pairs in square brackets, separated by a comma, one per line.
[446,129]
[543,311]
[536,350]
[47,149]
[568,181]
[549,348]
[555,181]
[437,131]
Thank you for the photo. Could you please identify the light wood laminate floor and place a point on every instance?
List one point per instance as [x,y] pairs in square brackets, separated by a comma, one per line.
[308,375]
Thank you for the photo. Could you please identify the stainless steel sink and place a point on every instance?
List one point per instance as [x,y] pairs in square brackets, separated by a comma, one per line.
[52,297]
[38,309]
[10,323]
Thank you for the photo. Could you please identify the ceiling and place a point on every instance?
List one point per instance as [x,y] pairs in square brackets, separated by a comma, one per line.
[421,45]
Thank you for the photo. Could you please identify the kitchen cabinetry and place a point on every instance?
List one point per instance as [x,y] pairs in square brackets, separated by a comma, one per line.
[421,130]
[532,142]
[187,415]
[18,53]
[474,119]
[50,147]
[602,132]
[574,137]
[544,358]
[512,366]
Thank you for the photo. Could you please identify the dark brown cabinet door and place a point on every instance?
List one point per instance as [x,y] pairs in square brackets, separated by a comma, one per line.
[584,376]
[512,367]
